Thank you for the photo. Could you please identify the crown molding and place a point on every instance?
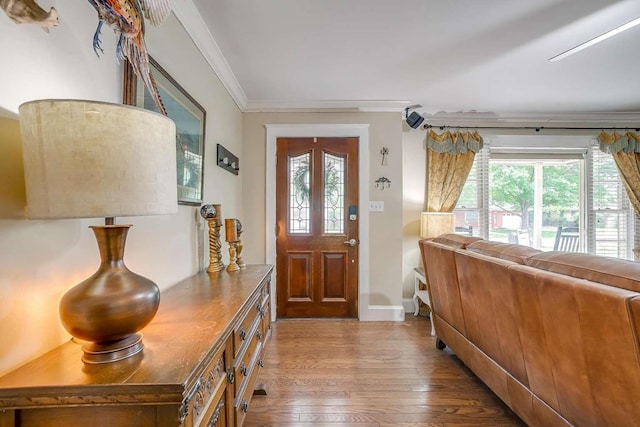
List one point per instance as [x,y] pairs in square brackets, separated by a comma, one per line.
[194,25]
[535,119]
[338,106]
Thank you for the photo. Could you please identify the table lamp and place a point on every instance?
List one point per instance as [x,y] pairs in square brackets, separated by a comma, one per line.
[433,224]
[86,159]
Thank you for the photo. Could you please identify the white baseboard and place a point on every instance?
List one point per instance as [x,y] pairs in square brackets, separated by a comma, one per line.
[390,313]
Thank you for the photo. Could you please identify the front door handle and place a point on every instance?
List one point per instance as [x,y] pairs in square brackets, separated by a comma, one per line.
[351,242]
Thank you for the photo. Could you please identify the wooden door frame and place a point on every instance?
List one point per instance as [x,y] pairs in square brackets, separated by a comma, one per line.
[361,131]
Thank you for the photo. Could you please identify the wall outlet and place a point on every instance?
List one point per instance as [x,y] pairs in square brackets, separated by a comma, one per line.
[376,206]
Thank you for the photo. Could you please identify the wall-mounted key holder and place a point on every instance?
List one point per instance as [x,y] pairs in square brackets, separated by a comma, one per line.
[382,183]
[228,161]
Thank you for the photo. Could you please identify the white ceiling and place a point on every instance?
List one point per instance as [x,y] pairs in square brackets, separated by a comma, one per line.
[457,56]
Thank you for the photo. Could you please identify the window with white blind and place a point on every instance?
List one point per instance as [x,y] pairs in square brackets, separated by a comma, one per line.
[467,213]
[609,214]
[470,215]
[602,211]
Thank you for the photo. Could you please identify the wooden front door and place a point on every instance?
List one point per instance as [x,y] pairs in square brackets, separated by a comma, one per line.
[317,227]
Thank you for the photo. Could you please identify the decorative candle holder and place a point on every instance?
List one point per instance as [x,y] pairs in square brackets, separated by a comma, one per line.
[212,214]
[239,260]
[231,234]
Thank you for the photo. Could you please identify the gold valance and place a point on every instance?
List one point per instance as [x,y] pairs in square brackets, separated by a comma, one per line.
[449,158]
[625,150]
[456,142]
[611,143]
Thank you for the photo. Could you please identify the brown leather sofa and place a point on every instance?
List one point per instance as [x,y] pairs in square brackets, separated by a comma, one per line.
[553,334]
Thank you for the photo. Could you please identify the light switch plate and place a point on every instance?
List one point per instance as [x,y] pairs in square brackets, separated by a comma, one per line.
[376,206]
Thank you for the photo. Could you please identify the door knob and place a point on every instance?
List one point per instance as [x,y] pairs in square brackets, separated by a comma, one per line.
[351,242]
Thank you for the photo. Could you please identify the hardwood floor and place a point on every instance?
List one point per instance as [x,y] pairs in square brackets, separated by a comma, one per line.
[369,374]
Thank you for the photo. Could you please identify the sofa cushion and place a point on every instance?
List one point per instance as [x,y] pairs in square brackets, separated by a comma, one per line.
[489,308]
[610,271]
[457,241]
[506,251]
[440,269]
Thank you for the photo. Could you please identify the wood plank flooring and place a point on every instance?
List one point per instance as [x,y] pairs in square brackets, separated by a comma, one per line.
[369,374]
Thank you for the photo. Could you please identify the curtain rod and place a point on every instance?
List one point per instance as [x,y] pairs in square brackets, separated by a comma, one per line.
[535,128]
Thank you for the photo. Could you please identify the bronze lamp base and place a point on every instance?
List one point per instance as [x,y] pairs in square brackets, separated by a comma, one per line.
[95,353]
[111,306]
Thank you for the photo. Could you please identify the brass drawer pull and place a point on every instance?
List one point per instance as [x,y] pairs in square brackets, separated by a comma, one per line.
[216,414]
[243,369]
[261,363]
[184,407]
[231,377]
[244,406]
[243,334]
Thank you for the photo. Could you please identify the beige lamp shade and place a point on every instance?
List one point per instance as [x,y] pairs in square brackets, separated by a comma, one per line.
[85,159]
[433,224]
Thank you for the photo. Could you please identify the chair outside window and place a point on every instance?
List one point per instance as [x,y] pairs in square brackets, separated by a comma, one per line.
[465,230]
[567,239]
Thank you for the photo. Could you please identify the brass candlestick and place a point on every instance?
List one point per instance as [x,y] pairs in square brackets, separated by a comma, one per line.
[239,259]
[239,245]
[231,234]
[212,214]
[233,257]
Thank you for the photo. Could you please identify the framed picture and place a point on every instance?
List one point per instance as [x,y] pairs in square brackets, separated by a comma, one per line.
[189,117]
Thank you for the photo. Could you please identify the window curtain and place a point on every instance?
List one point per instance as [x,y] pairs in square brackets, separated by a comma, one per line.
[449,160]
[625,149]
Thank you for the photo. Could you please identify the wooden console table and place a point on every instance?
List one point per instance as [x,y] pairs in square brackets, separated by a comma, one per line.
[203,352]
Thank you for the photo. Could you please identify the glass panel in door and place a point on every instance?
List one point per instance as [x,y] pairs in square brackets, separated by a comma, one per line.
[333,194]
[299,194]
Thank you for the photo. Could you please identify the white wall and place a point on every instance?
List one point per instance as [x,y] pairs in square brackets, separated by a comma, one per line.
[40,260]
[413,175]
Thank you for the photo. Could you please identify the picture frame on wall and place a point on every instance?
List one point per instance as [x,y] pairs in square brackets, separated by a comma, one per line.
[189,117]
